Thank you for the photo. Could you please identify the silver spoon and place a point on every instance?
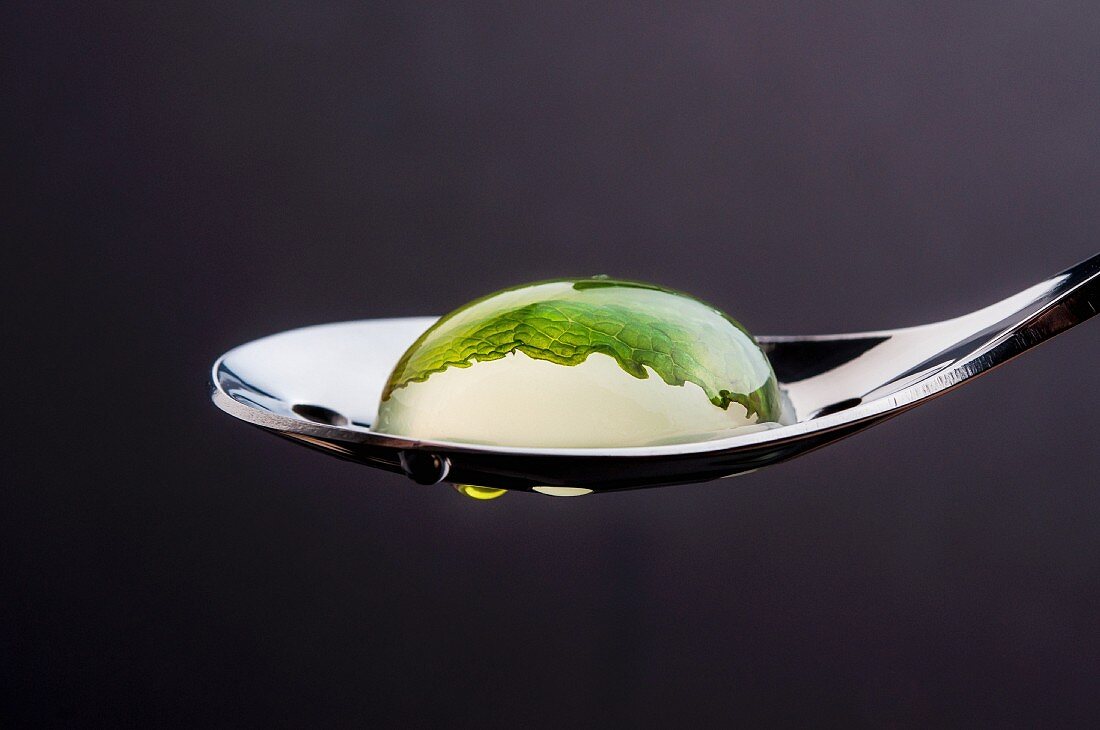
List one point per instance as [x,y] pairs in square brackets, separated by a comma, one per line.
[320,386]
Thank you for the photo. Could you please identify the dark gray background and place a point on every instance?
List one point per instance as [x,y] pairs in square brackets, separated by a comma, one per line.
[186,177]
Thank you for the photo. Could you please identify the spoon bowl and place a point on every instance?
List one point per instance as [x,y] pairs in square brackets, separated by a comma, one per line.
[320,386]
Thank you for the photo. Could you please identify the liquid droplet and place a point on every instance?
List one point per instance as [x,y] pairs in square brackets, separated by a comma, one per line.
[562,491]
[425,468]
[481,493]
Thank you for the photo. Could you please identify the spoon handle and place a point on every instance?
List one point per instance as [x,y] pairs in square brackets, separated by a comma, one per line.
[1077,293]
[935,357]
[1055,305]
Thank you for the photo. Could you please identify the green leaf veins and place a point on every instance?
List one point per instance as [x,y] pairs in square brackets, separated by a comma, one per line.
[679,349]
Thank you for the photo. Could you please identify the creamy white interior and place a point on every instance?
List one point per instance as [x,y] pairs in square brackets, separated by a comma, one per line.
[520,401]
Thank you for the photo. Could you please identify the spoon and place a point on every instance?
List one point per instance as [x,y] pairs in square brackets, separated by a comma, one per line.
[320,386]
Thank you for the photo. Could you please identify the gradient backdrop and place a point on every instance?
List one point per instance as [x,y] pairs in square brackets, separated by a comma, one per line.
[185,177]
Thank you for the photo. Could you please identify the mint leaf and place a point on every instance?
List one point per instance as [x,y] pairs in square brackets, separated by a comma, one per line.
[679,338]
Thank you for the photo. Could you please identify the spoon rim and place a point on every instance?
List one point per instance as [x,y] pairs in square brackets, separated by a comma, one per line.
[781,433]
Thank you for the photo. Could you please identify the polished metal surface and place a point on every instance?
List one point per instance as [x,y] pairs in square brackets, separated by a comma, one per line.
[320,387]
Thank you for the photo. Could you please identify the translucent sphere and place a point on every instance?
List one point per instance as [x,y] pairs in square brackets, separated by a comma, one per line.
[581,363]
